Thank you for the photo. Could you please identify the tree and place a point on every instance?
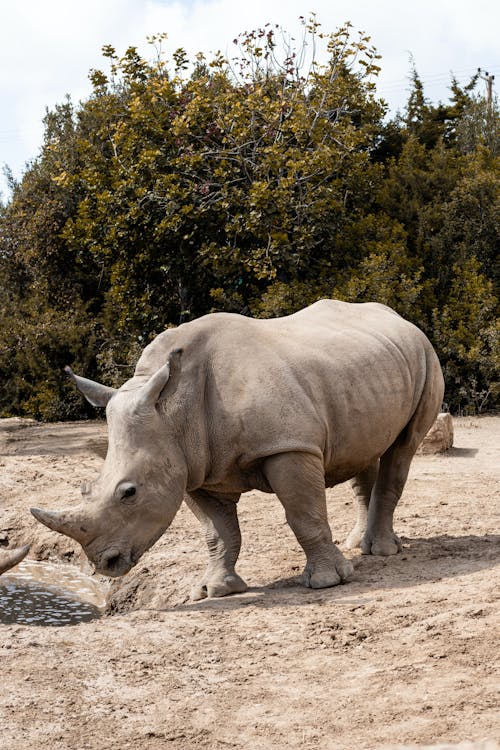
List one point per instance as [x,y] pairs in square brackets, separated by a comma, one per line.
[466,331]
[254,184]
[479,125]
[244,172]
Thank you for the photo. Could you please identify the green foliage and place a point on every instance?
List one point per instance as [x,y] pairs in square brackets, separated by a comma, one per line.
[35,345]
[196,159]
[466,332]
[254,184]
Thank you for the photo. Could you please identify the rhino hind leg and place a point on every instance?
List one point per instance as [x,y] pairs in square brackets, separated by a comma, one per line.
[298,479]
[219,520]
[379,538]
[362,486]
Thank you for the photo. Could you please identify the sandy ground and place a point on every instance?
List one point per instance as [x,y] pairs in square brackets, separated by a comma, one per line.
[406,654]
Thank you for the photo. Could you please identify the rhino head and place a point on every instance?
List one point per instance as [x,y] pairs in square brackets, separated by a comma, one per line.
[143,479]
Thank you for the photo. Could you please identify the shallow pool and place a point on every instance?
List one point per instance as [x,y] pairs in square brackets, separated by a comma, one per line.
[44,593]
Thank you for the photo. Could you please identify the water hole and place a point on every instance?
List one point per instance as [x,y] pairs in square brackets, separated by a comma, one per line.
[46,593]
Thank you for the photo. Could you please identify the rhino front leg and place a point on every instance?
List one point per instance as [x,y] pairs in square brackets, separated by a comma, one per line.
[222,533]
[362,486]
[298,479]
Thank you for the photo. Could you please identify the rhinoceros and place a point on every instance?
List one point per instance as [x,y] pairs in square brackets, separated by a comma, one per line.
[11,557]
[226,403]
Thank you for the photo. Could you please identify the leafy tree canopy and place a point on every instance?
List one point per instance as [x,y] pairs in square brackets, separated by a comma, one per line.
[254,183]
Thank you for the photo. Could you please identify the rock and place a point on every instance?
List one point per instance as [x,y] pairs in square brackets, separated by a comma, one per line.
[440,437]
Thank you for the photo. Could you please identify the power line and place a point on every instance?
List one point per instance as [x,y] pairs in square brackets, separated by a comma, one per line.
[432,80]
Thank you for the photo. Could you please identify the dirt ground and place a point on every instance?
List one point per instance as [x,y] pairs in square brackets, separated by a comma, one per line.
[406,654]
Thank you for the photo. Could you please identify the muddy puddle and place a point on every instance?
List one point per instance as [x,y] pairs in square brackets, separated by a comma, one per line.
[44,593]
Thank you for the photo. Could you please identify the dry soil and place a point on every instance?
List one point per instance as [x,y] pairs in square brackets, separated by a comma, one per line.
[406,654]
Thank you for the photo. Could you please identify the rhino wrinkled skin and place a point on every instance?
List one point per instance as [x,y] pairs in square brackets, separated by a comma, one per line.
[226,404]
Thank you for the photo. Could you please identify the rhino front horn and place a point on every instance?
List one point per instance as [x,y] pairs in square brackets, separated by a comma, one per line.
[9,558]
[66,522]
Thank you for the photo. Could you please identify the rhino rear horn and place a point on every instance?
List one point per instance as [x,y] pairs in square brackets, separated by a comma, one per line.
[168,375]
[95,393]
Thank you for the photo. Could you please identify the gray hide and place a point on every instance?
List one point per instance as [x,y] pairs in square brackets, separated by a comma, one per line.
[226,404]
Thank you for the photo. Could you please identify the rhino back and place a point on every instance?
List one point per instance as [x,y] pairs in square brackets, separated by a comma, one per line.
[336,379]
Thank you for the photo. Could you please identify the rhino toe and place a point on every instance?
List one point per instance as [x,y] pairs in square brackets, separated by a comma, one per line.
[322,576]
[381,545]
[232,584]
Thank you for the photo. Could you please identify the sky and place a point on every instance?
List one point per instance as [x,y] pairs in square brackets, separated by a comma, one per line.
[48,47]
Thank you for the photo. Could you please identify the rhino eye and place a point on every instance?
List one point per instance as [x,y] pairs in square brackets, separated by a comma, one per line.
[128,492]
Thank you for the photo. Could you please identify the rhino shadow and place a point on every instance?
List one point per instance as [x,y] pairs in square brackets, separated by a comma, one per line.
[423,560]
[461,452]
[29,438]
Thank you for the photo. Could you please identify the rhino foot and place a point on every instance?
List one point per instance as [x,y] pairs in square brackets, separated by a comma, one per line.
[321,576]
[355,537]
[388,544]
[231,584]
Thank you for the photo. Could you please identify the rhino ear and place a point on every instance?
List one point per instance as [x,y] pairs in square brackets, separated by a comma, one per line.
[164,381]
[95,393]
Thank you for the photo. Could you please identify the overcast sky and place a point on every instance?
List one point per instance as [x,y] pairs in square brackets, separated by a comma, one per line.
[47,47]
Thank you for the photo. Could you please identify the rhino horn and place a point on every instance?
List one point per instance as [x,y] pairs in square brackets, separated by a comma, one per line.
[9,558]
[72,523]
[95,393]
[155,388]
